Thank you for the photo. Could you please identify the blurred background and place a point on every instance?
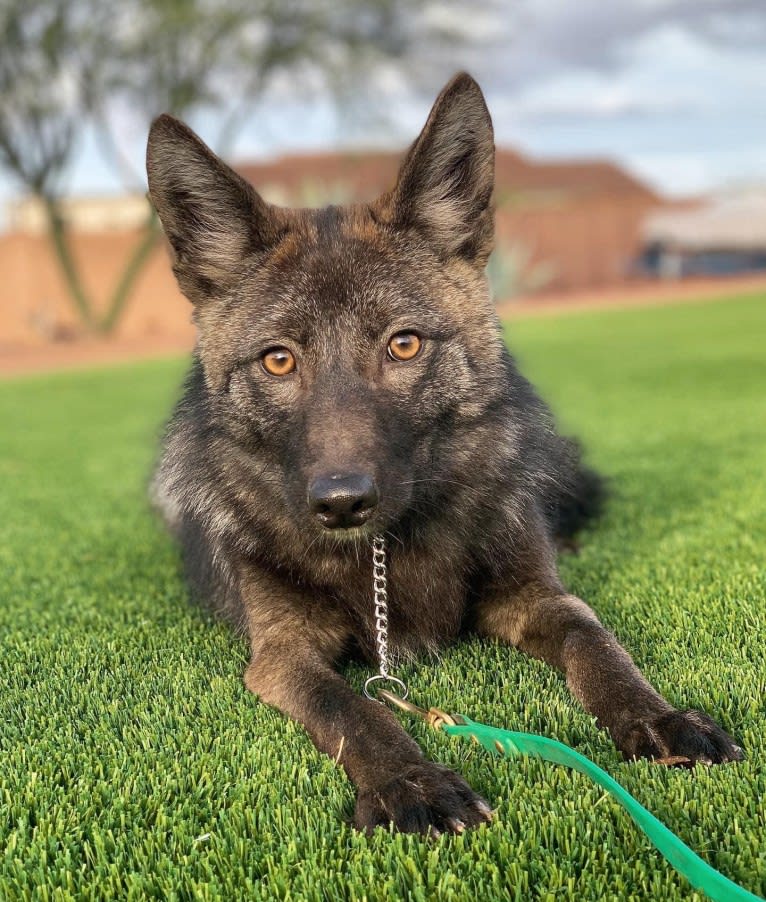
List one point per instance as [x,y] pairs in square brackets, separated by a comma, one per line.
[631,143]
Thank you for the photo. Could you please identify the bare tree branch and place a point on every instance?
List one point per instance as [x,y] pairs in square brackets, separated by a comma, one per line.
[69,64]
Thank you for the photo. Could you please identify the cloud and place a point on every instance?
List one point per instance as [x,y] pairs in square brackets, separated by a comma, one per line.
[610,103]
[672,87]
[540,39]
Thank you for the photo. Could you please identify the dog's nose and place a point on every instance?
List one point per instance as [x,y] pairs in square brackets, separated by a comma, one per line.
[340,502]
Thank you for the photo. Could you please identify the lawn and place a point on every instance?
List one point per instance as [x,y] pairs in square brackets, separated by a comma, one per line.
[134,765]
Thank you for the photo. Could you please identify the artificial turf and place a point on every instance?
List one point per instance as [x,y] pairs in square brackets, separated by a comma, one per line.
[134,765]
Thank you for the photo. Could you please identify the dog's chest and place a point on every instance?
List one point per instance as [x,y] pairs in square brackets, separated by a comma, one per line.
[426,605]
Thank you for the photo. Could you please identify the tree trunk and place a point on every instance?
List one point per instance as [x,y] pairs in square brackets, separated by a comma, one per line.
[129,275]
[57,229]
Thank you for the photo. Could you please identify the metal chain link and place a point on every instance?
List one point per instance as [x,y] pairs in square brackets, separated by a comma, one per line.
[380,591]
[380,596]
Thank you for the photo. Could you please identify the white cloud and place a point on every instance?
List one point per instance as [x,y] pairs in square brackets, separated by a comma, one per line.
[689,173]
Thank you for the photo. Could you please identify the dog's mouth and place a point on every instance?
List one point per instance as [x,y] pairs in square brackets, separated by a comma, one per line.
[349,536]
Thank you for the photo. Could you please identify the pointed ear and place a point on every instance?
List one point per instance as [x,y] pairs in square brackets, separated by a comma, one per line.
[445,183]
[213,219]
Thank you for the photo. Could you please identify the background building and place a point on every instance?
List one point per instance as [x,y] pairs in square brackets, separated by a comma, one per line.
[724,235]
[561,226]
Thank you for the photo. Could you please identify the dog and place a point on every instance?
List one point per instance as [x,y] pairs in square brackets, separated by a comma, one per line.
[350,380]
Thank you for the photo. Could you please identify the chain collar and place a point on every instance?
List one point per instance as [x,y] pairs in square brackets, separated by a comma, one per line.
[380,598]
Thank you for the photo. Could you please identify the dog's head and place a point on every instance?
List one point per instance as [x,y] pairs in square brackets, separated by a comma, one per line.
[347,349]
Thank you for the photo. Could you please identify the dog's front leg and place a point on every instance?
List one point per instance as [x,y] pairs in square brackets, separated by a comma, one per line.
[539,617]
[295,640]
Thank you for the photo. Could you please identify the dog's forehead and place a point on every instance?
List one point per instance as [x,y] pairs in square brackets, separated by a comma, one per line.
[335,274]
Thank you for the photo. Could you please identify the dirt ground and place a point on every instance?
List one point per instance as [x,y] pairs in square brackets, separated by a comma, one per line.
[19,359]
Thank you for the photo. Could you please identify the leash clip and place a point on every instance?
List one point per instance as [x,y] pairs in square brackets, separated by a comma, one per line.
[378,677]
[434,717]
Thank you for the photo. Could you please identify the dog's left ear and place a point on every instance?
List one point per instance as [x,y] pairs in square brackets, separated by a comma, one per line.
[214,220]
[445,183]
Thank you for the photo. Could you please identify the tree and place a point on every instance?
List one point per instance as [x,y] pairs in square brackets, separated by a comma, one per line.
[40,113]
[66,65]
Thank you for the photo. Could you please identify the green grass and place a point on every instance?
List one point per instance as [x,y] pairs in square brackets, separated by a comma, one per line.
[134,765]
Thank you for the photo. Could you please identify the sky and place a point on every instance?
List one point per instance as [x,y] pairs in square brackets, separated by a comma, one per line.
[671,89]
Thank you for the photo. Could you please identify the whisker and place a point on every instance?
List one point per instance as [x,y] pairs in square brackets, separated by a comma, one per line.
[388,533]
[308,547]
[437,479]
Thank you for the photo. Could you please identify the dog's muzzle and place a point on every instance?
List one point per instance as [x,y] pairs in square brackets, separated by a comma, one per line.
[343,501]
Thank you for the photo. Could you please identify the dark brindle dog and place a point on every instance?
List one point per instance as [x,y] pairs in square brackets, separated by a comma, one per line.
[350,379]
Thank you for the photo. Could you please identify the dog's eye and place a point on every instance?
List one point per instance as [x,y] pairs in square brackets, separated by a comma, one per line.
[404,346]
[278,362]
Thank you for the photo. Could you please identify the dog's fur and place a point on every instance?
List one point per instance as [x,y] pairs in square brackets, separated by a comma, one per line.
[475,484]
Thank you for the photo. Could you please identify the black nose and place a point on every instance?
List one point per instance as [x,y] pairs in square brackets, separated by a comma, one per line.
[339,502]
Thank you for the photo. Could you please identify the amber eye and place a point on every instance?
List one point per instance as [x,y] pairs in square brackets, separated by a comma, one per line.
[404,346]
[278,362]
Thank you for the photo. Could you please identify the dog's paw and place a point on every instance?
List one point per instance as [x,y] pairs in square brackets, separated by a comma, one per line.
[680,734]
[422,798]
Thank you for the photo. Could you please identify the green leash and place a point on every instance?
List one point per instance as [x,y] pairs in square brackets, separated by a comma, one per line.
[699,873]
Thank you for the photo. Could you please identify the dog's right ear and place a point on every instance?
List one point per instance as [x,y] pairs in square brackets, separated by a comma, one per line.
[213,219]
[444,190]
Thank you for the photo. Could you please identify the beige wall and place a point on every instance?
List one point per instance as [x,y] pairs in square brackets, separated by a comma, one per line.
[34,303]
